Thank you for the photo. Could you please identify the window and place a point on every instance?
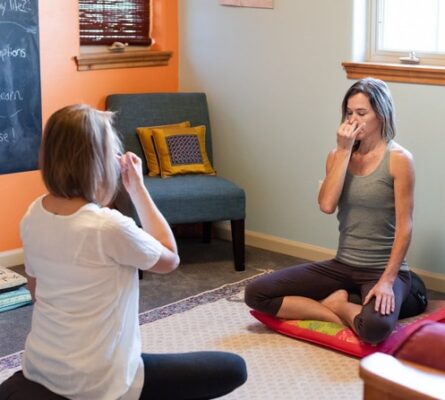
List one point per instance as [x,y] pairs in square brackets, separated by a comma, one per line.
[103,22]
[384,31]
[407,31]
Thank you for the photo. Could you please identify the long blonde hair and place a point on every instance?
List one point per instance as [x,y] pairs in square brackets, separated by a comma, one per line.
[78,155]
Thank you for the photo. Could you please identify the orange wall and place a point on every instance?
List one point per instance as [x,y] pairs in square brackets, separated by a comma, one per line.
[63,85]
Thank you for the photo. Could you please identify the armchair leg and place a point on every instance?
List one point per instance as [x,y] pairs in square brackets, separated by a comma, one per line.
[206,232]
[238,243]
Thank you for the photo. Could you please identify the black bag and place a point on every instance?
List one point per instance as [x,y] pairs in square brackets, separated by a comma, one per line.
[417,301]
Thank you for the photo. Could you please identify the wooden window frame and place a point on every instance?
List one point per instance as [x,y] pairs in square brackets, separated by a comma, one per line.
[390,71]
[137,54]
[421,74]
[127,59]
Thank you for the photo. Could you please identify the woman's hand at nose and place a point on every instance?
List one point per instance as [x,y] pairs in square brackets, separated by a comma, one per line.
[347,133]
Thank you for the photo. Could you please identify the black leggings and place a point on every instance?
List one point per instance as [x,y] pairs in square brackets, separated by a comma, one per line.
[318,280]
[196,375]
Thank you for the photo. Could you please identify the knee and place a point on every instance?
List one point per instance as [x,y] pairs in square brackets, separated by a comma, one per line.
[256,296]
[373,329]
[251,295]
[236,369]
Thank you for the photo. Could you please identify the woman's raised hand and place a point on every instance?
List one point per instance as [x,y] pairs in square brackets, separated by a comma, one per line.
[131,171]
[347,133]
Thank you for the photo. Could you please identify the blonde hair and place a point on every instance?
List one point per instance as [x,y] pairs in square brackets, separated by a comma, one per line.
[78,154]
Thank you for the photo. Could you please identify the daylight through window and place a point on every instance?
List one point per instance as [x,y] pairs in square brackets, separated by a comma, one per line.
[400,27]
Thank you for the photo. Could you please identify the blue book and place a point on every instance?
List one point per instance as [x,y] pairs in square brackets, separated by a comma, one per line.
[14,299]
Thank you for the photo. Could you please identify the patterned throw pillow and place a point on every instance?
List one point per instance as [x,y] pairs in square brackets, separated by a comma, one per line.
[182,151]
[145,137]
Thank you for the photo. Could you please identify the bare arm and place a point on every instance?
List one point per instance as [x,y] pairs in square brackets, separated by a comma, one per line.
[402,170]
[332,186]
[336,167]
[153,222]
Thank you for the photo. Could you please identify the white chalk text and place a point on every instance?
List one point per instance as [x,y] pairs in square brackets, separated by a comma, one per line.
[20,6]
[11,95]
[8,53]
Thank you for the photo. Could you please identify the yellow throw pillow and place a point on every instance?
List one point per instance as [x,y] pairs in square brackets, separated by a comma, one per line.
[182,151]
[145,137]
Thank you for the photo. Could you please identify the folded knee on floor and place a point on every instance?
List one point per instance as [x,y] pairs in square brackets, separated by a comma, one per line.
[255,297]
[237,368]
[373,330]
[250,296]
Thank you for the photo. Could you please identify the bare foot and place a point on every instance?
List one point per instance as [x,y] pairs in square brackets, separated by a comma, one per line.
[335,301]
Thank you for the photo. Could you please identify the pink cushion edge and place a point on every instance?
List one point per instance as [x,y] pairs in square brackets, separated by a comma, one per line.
[356,349]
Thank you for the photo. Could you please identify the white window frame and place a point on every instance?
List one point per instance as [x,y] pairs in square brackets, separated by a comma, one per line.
[375,54]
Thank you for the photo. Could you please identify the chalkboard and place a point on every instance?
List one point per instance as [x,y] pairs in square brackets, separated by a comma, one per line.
[20,98]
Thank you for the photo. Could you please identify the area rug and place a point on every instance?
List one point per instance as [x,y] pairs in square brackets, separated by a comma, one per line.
[279,367]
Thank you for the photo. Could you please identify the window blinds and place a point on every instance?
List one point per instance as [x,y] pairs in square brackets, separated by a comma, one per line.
[108,21]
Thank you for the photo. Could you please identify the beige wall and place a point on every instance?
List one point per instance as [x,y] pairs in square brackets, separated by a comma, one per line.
[275,83]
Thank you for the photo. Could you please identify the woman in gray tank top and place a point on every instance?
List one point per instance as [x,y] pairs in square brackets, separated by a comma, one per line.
[370,182]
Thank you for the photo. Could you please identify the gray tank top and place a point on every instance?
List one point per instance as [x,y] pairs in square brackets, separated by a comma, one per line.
[366,215]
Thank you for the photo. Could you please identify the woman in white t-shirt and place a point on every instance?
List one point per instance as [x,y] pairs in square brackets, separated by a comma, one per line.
[82,262]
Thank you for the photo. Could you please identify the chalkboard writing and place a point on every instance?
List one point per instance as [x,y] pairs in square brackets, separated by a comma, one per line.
[20,98]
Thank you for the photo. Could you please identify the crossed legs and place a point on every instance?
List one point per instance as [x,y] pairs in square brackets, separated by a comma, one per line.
[320,291]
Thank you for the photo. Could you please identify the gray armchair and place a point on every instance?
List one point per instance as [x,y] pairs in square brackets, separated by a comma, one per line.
[184,198]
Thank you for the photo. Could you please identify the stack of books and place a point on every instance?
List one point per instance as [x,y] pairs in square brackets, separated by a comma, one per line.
[13,293]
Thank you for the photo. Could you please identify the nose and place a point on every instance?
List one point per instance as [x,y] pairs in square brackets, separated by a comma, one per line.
[351,119]
[355,118]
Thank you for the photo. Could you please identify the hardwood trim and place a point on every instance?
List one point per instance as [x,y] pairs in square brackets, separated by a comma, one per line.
[126,59]
[387,378]
[422,74]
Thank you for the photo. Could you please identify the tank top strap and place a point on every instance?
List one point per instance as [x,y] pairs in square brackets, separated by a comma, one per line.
[383,167]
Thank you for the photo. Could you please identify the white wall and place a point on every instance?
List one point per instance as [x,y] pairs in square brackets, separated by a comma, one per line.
[275,83]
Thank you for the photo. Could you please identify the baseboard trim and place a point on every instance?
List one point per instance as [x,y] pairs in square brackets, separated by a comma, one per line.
[11,258]
[433,281]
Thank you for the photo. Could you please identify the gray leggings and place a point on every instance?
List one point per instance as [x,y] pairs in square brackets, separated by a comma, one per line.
[318,280]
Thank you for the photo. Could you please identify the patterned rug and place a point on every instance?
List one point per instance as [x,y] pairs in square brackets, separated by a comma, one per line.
[278,367]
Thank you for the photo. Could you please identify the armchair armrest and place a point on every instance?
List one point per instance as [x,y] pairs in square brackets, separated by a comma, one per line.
[387,378]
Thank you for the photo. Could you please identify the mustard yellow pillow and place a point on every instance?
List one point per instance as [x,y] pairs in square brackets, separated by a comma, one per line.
[182,151]
[145,137]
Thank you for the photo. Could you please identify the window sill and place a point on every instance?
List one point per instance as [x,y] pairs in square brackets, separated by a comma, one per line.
[422,74]
[125,59]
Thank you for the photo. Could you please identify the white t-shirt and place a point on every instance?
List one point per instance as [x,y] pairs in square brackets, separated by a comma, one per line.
[85,342]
